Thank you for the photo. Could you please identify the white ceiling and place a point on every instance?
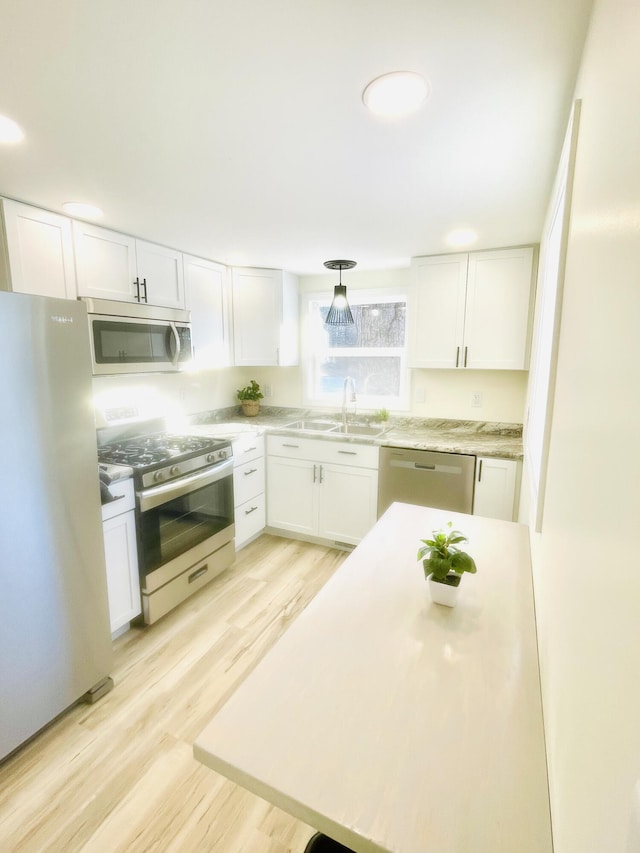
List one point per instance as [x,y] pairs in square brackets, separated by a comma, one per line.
[235,130]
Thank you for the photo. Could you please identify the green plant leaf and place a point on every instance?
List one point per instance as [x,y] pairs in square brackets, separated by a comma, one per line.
[437,566]
[463,562]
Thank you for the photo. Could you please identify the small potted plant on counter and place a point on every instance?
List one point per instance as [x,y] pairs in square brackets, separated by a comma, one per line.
[250,397]
[444,564]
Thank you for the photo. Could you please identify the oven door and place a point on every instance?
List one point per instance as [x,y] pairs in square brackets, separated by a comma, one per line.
[132,345]
[180,521]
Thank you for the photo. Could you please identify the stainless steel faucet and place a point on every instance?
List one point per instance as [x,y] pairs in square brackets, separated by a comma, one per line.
[351,398]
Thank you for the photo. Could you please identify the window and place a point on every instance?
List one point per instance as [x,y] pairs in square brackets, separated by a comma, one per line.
[372,351]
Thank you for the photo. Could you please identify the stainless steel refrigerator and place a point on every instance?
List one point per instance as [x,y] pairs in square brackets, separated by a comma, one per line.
[55,643]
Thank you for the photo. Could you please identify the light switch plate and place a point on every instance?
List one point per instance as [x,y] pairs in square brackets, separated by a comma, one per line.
[476,399]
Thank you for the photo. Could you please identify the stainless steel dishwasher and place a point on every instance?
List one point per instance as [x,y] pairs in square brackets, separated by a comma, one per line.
[427,478]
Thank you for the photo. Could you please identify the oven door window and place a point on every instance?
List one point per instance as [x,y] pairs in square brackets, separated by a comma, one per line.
[174,527]
[119,342]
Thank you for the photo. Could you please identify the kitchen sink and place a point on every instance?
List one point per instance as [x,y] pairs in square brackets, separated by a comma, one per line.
[336,428]
[310,425]
[359,429]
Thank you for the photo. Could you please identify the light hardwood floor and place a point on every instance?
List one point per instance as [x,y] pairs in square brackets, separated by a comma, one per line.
[119,775]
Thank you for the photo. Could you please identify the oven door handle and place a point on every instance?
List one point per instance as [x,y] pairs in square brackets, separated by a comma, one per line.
[157,495]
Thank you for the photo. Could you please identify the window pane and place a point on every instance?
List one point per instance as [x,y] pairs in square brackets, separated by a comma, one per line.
[377,324]
[373,376]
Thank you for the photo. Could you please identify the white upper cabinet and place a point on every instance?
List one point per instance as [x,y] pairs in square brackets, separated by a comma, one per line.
[116,266]
[265,317]
[471,310]
[207,298]
[37,251]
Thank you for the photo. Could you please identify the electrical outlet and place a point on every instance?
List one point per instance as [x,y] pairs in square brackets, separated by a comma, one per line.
[268,391]
[476,399]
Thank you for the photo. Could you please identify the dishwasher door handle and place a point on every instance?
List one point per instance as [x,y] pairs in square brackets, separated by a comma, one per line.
[424,467]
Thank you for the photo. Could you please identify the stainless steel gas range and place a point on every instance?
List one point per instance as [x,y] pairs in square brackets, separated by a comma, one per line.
[184,509]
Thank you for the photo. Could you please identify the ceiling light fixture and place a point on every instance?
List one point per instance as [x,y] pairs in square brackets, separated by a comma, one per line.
[396,94]
[339,313]
[10,131]
[462,237]
[82,210]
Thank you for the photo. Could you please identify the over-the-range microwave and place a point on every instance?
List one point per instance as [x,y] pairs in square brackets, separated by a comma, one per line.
[131,338]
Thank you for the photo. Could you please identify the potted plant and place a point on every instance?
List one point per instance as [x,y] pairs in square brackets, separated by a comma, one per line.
[250,397]
[444,564]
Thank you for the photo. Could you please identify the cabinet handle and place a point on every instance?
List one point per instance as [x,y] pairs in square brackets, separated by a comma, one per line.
[252,471]
[314,473]
[349,452]
[198,574]
[465,356]
[250,449]
[457,355]
[480,471]
[320,467]
[291,445]
[249,511]
[137,284]
[144,284]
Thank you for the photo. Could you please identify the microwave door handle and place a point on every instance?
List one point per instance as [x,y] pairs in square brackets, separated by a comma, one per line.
[173,332]
[156,495]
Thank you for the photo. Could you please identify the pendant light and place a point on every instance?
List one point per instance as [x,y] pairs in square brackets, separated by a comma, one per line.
[339,313]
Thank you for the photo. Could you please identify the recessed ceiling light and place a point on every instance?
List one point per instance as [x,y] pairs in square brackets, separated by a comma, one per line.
[82,210]
[396,94]
[10,131]
[462,237]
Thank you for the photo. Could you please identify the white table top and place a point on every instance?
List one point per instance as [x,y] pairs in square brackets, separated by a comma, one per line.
[394,724]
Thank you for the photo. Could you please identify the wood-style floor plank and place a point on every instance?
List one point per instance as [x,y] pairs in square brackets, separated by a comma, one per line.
[120,775]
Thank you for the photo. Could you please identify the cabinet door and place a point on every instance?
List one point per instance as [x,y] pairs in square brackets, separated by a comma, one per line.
[161,269]
[436,311]
[40,251]
[291,494]
[123,585]
[347,502]
[207,298]
[497,312]
[257,316]
[495,488]
[105,263]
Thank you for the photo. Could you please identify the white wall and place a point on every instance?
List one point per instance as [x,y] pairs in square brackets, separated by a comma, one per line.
[586,560]
[172,395]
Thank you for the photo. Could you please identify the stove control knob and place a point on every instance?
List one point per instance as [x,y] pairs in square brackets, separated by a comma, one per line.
[158,476]
[211,457]
[174,470]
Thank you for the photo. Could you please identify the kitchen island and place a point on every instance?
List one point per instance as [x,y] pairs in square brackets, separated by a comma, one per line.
[394,724]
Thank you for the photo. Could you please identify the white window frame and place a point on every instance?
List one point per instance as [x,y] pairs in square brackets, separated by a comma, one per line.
[355,296]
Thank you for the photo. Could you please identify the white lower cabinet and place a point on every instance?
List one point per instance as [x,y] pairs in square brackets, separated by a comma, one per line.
[495,488]
[248,488]
[121,556]
[322,489]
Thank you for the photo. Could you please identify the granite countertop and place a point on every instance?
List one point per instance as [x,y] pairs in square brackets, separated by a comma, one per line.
[480,438]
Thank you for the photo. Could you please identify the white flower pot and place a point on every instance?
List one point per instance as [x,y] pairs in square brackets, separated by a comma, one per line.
[444,593]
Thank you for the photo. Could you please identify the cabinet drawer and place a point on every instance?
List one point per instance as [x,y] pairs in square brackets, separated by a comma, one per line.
[250,519]
[247,447]
[122,490]
[317,450]
[248,480]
